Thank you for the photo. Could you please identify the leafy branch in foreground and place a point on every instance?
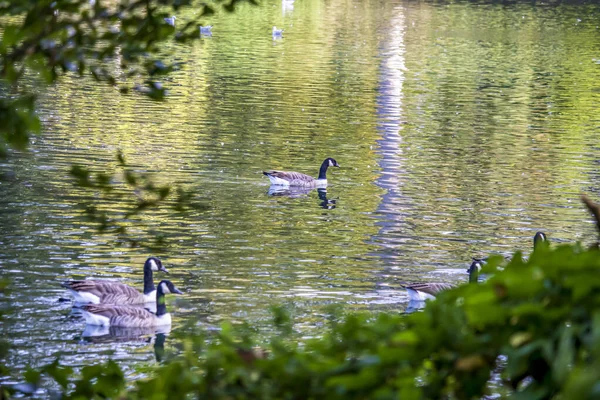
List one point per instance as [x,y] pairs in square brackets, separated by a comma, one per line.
[124,195]
[112,41]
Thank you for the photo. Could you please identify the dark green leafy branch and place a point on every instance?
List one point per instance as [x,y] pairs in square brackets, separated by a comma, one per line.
[119,188]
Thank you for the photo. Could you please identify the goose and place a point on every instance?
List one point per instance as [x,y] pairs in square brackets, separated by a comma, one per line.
[290,178]
[108,292]
[277,33]
[428,290]
[170,20]
[206,30]
[131,317]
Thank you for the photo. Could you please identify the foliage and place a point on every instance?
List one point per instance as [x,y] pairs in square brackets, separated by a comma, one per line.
[534,326]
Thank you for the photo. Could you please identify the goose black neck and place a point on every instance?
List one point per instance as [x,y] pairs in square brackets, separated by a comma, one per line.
[161,305]
[148,281]
[473,275]
[323,170]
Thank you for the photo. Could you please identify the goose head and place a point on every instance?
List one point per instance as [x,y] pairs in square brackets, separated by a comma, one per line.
[154,264]
[539,240]
[331,162]
[166,286]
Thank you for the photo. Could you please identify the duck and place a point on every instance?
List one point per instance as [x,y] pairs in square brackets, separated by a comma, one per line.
[290,178]
[428,290]
[109,292]
[129,316]
[170,20]
[277,33]
[206,30]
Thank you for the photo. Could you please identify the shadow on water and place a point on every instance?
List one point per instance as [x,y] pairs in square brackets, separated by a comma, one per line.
[299,192]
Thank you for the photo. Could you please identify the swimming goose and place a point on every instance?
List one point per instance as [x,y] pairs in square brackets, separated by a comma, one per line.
[206,30]
[109,292]
[428,290]
[290,178]
[132,317]
[277,33]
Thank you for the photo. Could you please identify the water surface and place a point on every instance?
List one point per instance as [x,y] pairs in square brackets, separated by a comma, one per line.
[462,129]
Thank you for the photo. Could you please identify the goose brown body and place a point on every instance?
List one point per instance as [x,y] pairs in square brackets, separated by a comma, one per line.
[107,292]
[423,291]
[292,178]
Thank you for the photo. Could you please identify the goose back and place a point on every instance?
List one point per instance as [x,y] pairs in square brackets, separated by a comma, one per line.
[96,292]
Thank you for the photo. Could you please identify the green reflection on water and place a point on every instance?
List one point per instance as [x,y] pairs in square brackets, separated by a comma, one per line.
[495,111]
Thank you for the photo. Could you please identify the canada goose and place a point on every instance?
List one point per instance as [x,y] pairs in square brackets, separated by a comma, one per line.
[132,317]
[170,20]
[206,30]
[108,292]
[277,33]
[290,178]
[428,290]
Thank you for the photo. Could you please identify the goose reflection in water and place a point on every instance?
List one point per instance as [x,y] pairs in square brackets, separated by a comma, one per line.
[297,192]
[414,305]
[115,334]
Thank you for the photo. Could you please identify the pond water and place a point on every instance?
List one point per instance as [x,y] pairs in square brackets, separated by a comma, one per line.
[461,130]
